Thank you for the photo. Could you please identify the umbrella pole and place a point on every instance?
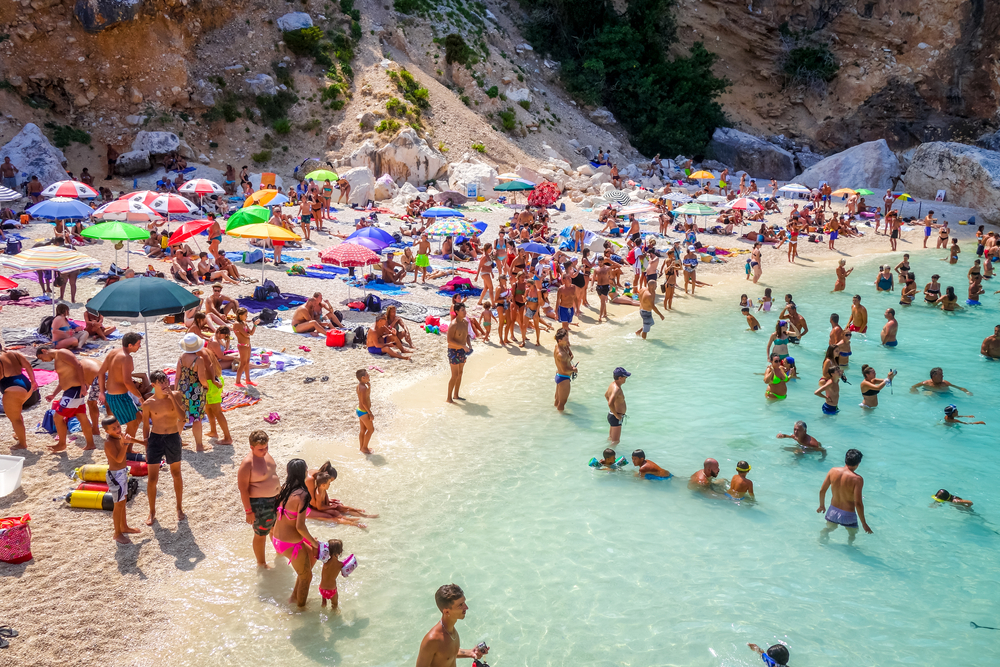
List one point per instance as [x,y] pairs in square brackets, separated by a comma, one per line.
[145,329]
[128,252]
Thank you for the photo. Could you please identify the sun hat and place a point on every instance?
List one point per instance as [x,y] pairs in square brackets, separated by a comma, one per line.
[191,343]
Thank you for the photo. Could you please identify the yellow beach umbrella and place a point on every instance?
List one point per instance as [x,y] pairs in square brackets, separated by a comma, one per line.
[702,175]
[264,230]
[264,197]
[842,192]
[905,197]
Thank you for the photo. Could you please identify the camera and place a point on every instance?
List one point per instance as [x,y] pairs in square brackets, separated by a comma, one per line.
[482,649]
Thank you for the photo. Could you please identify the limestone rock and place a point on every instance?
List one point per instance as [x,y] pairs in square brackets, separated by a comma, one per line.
[33,155]
[261,84]
[598,180]
[185,150]
[970,175]
[588,152]
[366,120]
[990,141]
[133,162]
[204,93]
[406,158]
[135,120]
[602,116]
[807,159]
[463,174]
[294,21]
[362,184]
[135,97]
[528,174]
[518,94]
[156,143]
[385,188]
[746,152]
[559,165]
[96,15]
[586,169]
[869,165]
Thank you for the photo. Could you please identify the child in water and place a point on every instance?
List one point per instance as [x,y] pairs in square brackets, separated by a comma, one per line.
[329,554]
[942,496]
[951,416]
[609,461]
[751,320]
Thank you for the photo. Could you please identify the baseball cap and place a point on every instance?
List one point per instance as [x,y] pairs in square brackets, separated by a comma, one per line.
[621,373]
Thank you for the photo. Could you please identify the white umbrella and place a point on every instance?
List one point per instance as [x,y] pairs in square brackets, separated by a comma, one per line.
[795,188]
[677,197]
[617,197]
[6,194]
[711,199]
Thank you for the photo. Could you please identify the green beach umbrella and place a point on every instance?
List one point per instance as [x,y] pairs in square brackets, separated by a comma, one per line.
[322,175]
[694,208]
[864,193]
[251,215]
[514,186]
[115,231]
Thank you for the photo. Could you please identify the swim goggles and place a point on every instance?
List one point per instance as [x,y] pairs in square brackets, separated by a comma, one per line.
[769,661]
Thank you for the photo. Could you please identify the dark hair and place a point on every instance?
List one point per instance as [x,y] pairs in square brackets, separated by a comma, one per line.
[157,376]
[865,368]
[835,318]
[131,338]
[328,469]
[609,452]
[853,457]
[62,309]
[943,494]
[258,437]
[562,333]
[891,311]
[43,348]
[109,420]
[831,352]
[295,480]
[744,309]
[336,548]
[779,654]
[639,454]
[446,596]
[361,373]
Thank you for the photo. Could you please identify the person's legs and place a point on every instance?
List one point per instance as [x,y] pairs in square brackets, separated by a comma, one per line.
[175,472]
[562,394]
[199,446]
[72,287]
[13,400]
[215,410]
[87,430]
[61,430]
[259,541]
[151,481]
[303,567]
[367,429]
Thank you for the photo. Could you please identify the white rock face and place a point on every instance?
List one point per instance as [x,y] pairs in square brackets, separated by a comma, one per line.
[528,174]
[559,165]
[462,174]
[261,84]
[586,169]
[869,165]
[156,143]
[757,157]
[969,175]
[406,158]
[294,21]
[518,94]
[33,155]
[133,162]
[385,188]
[362,184]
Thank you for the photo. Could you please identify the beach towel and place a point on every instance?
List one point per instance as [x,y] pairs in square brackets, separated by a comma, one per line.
[291,363]
[380,287]
[328,268]
[42,377]
[22,337]
[285,302]
[238,399]
[416,312]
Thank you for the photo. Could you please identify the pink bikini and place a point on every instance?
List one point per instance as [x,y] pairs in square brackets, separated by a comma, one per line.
[280,546]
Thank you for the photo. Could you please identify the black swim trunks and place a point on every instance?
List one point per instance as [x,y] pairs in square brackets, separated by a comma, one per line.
[457,357]
[614,421]
[265,511]
[603,290]
[163,446]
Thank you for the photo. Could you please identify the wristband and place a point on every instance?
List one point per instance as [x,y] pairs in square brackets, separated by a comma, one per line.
[249,511]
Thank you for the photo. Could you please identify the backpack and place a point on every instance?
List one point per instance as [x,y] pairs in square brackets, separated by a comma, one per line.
[271,288]
[267,316]
[45,328]
[397,237]
[259,293]
[360,336]
[13,247]
[373,304]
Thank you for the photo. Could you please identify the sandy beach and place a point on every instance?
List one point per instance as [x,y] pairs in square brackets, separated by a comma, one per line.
[84,600]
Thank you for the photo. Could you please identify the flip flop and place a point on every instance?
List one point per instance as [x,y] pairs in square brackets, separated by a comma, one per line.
[308,380]
[304,348]
[4,643]
[7,631]
[376,368]
[325,378]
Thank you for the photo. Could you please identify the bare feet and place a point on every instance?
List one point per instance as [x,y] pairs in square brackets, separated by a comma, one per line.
[201,448]
[129,530]
[213,434]
[225,442]
[18,447]
[150,520]
[263,566]
[55,449]
[366,451]
[89,448]
[181,516]
[121,539]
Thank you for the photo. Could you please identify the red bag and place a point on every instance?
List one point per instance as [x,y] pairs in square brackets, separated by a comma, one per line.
[15,539]
[335,338]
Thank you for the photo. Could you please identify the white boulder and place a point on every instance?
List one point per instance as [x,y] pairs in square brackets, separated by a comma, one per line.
[133,162]
[33,155]
[406,158]
[746,152]
[869,165]
[385,188]
[969,175]
[294,21]
[528,174]
[463,174]
[586,169]
[362,184]
[156,143]
[261,84]
[518,94]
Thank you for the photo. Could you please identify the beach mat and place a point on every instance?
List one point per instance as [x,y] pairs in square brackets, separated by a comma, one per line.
[238,399]
[285,302]
[291,363]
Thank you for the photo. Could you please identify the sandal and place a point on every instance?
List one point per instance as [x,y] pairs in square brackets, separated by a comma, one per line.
[7,631]
[308,380]
[304,348]
[325,378]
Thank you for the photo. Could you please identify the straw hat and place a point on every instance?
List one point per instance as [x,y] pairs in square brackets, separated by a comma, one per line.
[191,343]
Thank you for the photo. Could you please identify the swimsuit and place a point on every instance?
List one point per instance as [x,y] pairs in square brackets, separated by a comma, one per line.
[842,517]
[830,409]
[72,403]
[264,514]
[193,391]
[213,395]
[891,343]
[614,421]
[327,594]
[458,356]
[117,481]
[562,378]
[163,446]
[359,412]
[647,320]
[566,314]
[280,546]
[885,284]
[122,406]
[422,261]
[372,349]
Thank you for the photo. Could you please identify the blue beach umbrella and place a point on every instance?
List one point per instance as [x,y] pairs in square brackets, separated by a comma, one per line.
[372,233]
[442,212]
[60,208]
[536,248]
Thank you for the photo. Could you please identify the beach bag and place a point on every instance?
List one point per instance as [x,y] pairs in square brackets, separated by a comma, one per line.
[16,294]
[13,247]
[253,256]
[15,539]
[335,338]
[49,422]
[271,289]
[373,304]
[360,336]
[339,315]
[267,316]
[296,270]
[397,237]
[45,327]
[259,293]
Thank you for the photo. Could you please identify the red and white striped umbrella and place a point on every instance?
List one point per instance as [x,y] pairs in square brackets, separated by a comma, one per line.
[74,189]
[172,204]
[201,186]
[124,210]
[349,254]
[189,229]
[745,204]
[141,196]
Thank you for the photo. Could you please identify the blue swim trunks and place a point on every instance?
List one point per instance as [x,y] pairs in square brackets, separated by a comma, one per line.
[565,314]
[830,409]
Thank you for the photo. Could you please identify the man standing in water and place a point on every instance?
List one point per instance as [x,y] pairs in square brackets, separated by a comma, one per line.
[566,300]
[616,404]
[647,306]
[166,410]
[890,328]
[991,344]
[441,646]
[859,316]
[364,410]
[458,351]
[257,479]
[846,504]
[602,278]
[565,369]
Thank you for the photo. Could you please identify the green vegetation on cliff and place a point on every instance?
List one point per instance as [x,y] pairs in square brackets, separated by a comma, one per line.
[667,105]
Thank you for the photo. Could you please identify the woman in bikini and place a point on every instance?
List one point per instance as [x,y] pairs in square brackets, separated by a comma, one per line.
[871,386]
[779,339]
[16,389]
[909,289]
[948,300]
[932,291]
[243,332]
[485,271]
[290,536]
[201,326]
[776,380]
[215,238]
[324,508]
[94,325]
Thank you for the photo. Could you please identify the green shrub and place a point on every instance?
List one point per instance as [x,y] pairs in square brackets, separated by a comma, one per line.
[64,135]
[261,157]
[330,93]
[465,100]
[213,144]
[525,104]
[275,107]
[480,148]
[395,107]
[411,89]
[304,41]
[387,125]
[508,119]
[413,6]
[282,126]
[282,74]
[456,50]
[520,77]
[493,92]
[810,64]
[356,31]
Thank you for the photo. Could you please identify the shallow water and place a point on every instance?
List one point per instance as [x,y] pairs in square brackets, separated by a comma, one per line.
[565,565]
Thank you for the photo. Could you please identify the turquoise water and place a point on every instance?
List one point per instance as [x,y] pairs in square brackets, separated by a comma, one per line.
[563,565]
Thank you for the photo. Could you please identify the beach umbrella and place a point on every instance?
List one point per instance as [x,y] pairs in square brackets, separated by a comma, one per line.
[617,197]
[322,175]
[509,176]
[372,244]
[515,186]
[6,194]
[7,283]
[842,192]
[49,258]
[636,209]
[442,212]
[702,175]
[545,194]
[677,197]
[189,230]
[265,198]
[250,215]
[794,188]
[694,208]
[201,187]
[452,198]
[373,234]
[116,231]
[349,255]
[142,299]
[168,204]
[125,211]
[74,189]
[904,197]
[141,196]
[536,248]
[451,227]
[60,208]
[746,204]
[711,199]
[262,230]
[864,192]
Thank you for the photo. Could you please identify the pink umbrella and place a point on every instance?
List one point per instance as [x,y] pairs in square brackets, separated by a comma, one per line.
[74,189]
[350,255]
[745,204]
[189,230]
[201,186]
[124,210]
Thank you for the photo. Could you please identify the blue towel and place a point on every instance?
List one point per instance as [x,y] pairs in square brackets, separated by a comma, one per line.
[286,300]
[291,362]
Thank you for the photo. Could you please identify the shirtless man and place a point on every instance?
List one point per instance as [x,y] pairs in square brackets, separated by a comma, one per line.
[364,410]
[836,331]
[379,342]
[796,322]
[441,647]
[739,485]
[218,305]
[846,505]
[859,316]
[74,387]
[167,411]
[705,478]
[616,404]
[565,368]
[937,382]
[304,321]
[116,390]
[392,272]
[805,441]
[458,350]
[890,328]
[112,157]
[566,302]
[257,479]
[647,306]
[602,280]
[317,305]
[991,344]
[8,174]
[648,469]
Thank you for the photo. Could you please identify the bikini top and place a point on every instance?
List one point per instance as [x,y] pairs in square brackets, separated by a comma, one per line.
[871,392]
[781,341]
[282,512]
